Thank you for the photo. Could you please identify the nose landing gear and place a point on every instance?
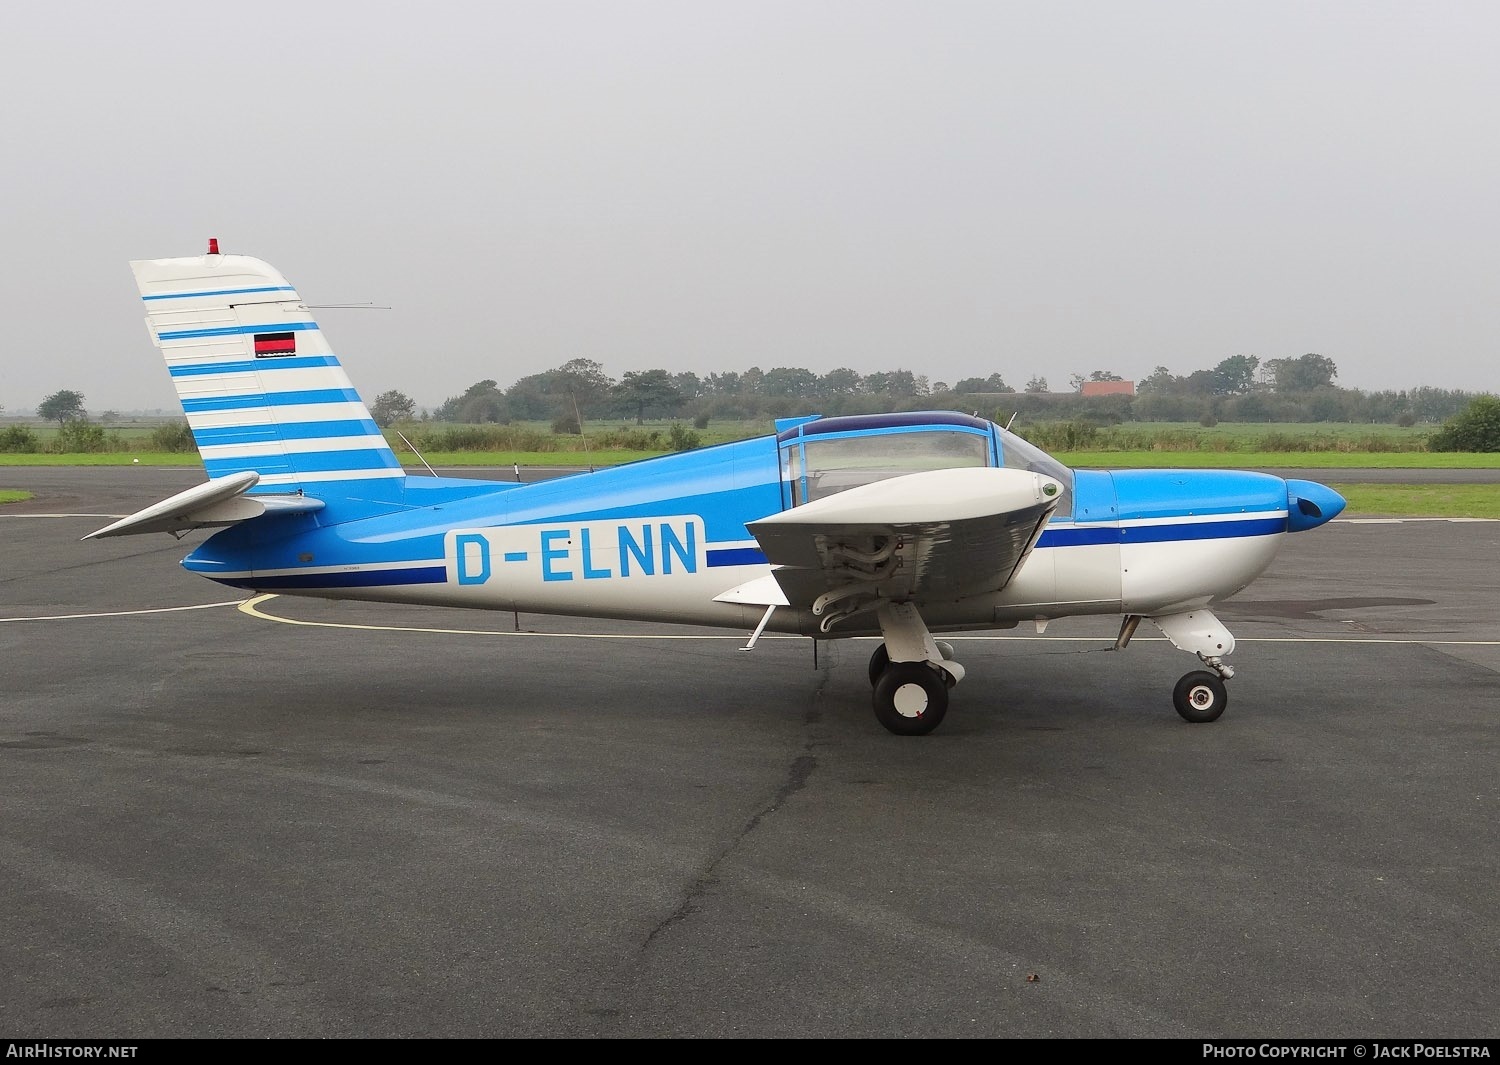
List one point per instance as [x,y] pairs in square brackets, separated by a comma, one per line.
[1200,696]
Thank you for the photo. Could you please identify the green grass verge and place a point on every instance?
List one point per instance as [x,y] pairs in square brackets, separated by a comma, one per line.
[105,458]
[1251,430]
[1421,500]
[436,458]
[522,458]
[1253,460]
[1222,460]
[1364,500]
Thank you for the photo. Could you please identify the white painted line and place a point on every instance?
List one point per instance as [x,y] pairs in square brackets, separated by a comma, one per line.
[1403,521]
[1336,521]
[252,608]
[127,613]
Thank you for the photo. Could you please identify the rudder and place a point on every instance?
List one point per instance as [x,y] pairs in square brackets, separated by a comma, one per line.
[261,388]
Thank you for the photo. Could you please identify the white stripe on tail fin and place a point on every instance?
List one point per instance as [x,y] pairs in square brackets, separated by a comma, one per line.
[260,386]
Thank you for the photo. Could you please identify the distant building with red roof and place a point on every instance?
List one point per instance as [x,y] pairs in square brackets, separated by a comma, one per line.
[1109,388]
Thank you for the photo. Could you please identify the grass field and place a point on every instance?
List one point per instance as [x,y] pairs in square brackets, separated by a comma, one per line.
[1399,500]
[521,458]
[1421,500]
[1252,430]
[1226,460]
[1251,460]
[1169,445]
[104,458]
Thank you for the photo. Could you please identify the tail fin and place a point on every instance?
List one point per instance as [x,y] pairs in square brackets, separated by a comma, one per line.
[260,386]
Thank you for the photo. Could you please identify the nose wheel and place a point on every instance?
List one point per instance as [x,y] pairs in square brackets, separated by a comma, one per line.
[1200,696]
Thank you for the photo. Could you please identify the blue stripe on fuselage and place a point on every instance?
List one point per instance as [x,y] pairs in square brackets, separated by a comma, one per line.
[1081,536]
[381,578]
[1202,530]
[735,556]
[1093,535]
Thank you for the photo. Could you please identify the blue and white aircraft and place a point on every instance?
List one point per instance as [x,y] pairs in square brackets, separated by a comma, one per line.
[896,525]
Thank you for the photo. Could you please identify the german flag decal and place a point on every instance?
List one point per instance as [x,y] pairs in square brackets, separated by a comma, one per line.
[275,345]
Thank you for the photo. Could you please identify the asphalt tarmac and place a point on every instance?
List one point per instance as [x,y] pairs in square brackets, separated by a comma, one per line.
[335,819]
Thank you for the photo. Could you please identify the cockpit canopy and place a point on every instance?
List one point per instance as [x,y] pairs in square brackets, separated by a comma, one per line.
[823,456]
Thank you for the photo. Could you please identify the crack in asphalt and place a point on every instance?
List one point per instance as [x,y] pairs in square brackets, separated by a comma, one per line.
[798,773]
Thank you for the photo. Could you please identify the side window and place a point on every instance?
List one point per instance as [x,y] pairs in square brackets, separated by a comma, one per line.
[793,477]
[837,464]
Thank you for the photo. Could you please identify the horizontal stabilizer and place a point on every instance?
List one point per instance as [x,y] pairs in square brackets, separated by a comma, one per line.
[215,504]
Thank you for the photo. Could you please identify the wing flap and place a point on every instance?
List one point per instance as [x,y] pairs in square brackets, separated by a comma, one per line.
[763,591]
[216,504]
[939,535]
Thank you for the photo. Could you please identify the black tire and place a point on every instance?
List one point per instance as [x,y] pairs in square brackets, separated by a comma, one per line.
[879,662]
[1200,697]
[910,698]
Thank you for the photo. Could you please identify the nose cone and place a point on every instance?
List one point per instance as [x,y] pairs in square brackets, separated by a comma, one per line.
[1309,504]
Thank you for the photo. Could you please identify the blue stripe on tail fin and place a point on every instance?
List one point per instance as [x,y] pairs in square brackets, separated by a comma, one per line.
[260,386]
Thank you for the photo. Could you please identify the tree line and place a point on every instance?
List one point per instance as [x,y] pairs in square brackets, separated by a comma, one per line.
[1241,388]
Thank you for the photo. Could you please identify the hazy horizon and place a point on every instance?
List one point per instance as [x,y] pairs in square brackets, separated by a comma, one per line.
[951,188]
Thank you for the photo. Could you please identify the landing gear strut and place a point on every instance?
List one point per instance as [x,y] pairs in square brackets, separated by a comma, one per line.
[911,673]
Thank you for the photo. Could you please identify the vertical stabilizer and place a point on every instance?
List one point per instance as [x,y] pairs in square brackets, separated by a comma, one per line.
[261,388]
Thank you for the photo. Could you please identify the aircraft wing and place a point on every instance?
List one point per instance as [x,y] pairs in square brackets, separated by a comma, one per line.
[218,503]
[942,535]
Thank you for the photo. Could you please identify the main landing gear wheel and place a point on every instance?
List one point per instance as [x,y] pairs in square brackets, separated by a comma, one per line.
[880,661]
[910,698]
[1200,696]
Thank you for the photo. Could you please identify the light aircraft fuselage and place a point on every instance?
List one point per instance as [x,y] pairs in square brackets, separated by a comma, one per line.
[894,524]
[659,540]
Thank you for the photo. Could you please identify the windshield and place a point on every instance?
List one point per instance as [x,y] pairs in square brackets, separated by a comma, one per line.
[1018,454]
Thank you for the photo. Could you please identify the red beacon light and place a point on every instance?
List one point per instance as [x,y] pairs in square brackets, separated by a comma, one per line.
[213,245]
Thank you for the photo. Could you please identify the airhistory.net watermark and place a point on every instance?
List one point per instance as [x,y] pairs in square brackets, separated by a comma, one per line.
[69,1050]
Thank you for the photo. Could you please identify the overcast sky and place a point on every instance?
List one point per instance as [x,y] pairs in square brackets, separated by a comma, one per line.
[952,188]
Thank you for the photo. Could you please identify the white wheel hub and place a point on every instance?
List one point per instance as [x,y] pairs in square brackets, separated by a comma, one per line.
[910,700]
